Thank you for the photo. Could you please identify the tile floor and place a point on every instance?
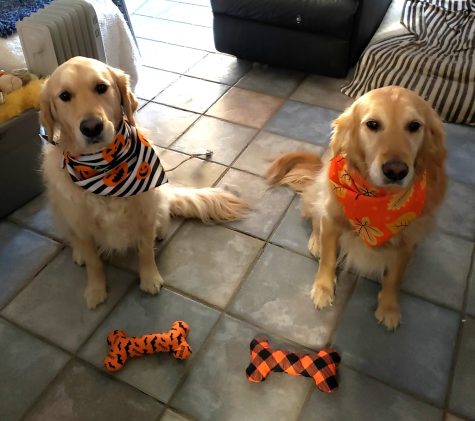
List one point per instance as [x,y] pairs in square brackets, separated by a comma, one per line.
[251,277]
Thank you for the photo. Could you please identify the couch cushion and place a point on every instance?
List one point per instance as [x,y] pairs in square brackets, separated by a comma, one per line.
[332,17]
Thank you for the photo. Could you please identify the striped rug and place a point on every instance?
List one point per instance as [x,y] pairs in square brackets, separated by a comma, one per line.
[436,59]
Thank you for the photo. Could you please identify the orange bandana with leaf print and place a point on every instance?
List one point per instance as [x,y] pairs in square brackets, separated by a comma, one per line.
[375,214]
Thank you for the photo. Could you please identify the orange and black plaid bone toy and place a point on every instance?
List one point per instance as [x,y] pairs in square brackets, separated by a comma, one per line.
[122,347]
[321,366]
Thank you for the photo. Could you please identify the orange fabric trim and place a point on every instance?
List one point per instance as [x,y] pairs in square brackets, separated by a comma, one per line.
[375,214]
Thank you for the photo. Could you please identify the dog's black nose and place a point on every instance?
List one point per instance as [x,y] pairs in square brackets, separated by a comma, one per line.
[395,170]
[91,127]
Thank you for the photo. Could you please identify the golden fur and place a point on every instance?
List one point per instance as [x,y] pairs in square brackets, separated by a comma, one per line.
[333,239]
[95,224]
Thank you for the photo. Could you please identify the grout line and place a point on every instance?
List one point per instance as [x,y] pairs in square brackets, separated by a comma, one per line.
[458,342]
[405,392]
[188,3]
[46,389]
[189,47]
[244,278]
[16,221]
[106,316]
[266,332]
[195,358]
[324,107]
[203,7]
[196,25]
[339,316]
[187,69]
[116,378]
[305,403]
[37,335]
[137,8]
[180,22]
[47,262]
[258,132]
[148,101]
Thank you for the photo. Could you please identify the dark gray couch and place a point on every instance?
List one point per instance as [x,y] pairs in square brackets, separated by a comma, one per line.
[316,36]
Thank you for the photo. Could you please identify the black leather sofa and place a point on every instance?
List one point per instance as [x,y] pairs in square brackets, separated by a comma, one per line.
[316,36]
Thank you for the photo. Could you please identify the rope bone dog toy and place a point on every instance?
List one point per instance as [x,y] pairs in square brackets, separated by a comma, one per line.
[122,347]
[321,367]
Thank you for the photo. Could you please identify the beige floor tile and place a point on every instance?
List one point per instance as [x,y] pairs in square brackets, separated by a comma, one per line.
[191,94]
[324,92]
[246,107]
[162,125]
[268,146]
[226,140]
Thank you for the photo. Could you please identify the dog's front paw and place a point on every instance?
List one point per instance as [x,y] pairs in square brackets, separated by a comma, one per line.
[95,296]
[151,283]
[388,314]
[77,257]
[162,230]
[313,245]
[322,296]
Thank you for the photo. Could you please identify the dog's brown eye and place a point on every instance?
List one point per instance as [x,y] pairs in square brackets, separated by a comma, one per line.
[372,125]
[413,126]
[101,88]
[65,96]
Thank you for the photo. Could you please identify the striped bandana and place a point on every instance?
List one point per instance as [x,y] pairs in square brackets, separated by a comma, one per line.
[375,214]
[128,167]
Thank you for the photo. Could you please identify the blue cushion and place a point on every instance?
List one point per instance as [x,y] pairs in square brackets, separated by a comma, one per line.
[12,11]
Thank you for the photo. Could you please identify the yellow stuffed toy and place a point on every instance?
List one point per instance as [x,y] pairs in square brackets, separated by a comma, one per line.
[21,99]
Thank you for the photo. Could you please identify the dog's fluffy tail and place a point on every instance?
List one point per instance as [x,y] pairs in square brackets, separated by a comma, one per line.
[207,204]
[295,169]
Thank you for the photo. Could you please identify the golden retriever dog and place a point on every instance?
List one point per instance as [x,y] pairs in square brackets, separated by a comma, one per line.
[392,142]
[81,106]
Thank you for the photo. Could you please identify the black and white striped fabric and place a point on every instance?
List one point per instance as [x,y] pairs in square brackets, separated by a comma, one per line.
[436,59]
[128,167]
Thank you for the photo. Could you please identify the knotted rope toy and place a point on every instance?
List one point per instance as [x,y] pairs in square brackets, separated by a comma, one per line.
[321,367]
[122,347]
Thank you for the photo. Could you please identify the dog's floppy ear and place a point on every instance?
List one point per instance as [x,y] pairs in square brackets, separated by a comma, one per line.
[433,148]
[435,138]
[47,119]
[344,133]
[128,100]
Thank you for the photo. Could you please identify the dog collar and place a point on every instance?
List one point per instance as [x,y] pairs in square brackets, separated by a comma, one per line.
[375,214]
[128,167]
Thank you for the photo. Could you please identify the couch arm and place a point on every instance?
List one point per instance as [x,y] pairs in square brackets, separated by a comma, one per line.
[367,20]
